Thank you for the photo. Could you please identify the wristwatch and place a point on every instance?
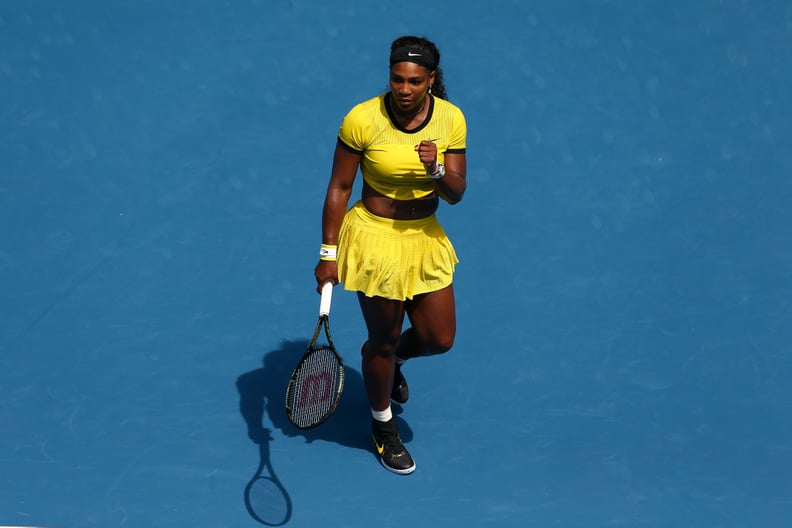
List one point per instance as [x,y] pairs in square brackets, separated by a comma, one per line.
[438,173]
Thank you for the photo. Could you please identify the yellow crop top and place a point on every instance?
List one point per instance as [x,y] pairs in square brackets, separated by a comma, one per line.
[390,164]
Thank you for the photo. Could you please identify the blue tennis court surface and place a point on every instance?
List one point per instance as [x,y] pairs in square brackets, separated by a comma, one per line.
[623,293]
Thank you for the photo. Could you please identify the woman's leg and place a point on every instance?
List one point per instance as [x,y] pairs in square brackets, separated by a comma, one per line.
[433,319]
[384,319]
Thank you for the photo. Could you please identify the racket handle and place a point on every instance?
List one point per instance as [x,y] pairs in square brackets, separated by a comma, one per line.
[327,297]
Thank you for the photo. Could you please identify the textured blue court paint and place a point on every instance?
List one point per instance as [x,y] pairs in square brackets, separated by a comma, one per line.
[623,296]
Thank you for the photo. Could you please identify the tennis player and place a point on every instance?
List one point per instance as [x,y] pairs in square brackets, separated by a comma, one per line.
[389,247]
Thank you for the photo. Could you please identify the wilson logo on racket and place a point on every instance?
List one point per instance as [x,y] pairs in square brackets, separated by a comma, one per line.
[316,388]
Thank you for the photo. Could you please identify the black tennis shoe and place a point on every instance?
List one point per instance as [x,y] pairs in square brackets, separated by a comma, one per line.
[392,453]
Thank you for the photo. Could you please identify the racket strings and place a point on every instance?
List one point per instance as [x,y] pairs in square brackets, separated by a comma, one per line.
[316,387]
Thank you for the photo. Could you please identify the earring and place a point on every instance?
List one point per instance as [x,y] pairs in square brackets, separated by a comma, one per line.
[430,90]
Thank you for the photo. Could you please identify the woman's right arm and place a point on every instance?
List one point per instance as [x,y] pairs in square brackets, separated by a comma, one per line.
[342,178]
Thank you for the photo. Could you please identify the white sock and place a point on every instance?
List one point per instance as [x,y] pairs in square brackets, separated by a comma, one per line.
[382,416]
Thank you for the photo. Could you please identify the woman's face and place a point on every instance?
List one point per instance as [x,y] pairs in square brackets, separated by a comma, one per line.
[409,83]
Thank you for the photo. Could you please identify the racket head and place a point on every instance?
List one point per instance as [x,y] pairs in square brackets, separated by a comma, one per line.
[315,387]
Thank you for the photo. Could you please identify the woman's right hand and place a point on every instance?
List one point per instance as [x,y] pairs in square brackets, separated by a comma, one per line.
[325,271]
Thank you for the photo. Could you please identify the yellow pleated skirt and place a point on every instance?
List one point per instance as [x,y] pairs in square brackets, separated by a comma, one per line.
[394,259]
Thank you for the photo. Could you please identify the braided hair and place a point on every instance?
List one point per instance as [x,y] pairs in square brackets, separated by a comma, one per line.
[438,88]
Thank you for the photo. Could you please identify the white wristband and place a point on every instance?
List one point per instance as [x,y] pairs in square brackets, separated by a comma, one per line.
[328,252]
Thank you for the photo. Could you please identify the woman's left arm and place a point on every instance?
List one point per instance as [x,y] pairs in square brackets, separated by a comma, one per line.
[451,187]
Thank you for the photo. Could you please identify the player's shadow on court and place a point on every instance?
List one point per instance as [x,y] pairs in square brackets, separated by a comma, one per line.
[262,393]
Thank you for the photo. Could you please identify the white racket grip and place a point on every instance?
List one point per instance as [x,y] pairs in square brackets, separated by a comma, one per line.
[327,297]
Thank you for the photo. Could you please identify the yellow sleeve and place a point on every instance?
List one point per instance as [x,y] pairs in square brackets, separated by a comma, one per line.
[458,136]
[355,129]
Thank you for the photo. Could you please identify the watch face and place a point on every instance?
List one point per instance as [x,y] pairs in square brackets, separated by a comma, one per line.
[439,173]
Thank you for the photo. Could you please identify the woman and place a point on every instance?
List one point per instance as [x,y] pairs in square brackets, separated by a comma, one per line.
[409,144]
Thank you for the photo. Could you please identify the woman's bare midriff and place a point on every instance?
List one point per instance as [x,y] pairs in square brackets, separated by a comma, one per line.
[386,207]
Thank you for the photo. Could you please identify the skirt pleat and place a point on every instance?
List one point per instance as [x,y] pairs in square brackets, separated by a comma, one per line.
[394,259]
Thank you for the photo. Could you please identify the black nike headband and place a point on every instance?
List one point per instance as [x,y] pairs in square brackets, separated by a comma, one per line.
[416,54]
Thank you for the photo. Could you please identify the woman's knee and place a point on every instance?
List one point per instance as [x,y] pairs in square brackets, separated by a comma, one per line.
[382,344]
[439,345]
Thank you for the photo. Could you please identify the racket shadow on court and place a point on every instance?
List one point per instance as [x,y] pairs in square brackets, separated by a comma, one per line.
[261,398]
[262,392]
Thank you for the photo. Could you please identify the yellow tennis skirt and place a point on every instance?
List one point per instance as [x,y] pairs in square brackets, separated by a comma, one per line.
[395,259]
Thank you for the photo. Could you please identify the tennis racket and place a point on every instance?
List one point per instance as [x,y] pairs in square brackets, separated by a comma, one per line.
[316,384]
